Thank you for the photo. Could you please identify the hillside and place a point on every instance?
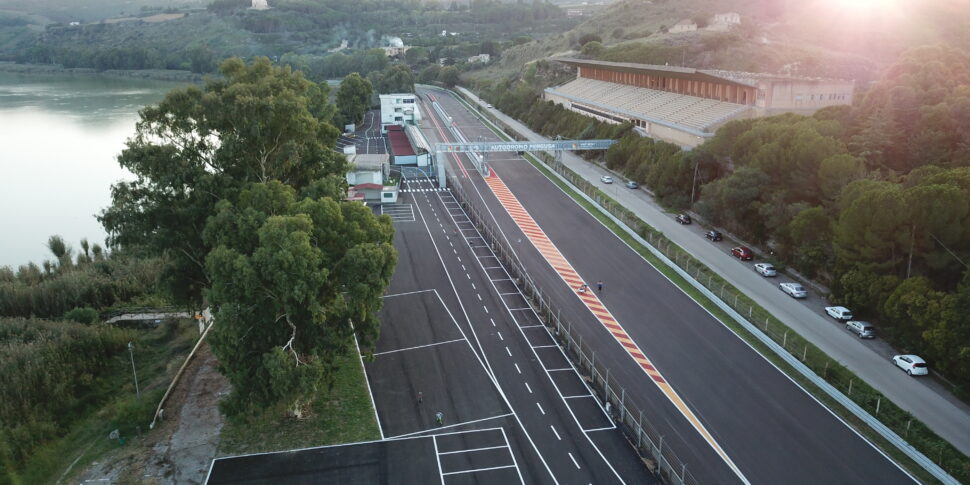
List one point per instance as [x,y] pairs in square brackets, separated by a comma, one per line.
[816,38]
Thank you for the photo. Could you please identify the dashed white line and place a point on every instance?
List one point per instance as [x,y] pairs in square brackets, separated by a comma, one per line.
[479,295]
[517,368]
[543,411]
[528,388]
[486,308]
[555,432]
[493,321]
[507,351]
[574,461]
[500,336]
[473,286]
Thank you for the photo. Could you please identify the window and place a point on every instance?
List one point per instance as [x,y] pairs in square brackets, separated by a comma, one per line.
[388,195]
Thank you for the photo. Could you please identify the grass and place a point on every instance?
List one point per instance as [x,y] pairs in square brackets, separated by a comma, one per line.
[891,415]
[158,353]
[341,414]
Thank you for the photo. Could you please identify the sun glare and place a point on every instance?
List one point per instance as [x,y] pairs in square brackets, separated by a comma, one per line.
[867,6]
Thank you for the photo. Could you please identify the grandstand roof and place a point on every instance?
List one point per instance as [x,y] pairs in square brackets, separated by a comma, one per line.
[688,113]
[749,79]
[400,145]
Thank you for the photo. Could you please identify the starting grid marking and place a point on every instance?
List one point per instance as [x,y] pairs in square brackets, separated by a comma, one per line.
[435,189]
[444,475]
[554,257]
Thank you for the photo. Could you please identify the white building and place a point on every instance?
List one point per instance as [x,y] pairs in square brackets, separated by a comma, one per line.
[724,21]
[399,109]
[369,179]
[686,25]
[483,58]
[260,5]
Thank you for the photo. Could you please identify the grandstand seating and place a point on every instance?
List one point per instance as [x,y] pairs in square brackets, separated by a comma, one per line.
[651,104]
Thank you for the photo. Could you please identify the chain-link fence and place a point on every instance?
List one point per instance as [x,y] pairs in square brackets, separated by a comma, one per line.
[658,454]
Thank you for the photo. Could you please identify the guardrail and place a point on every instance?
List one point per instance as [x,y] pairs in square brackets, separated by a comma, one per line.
[890,422]
[660,456]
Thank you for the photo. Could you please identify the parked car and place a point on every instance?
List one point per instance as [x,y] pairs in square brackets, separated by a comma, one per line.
[683,219]
[914,365]
[713,235]
[632,185]
[839,313]
[765,269]
[742,253]
[860,328]
[489,106]
[794,290]
[606,179]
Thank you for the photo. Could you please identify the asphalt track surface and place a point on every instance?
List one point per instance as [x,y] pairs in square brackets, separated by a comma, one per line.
[367,138]
[929,400]
[773,430]
[458,338]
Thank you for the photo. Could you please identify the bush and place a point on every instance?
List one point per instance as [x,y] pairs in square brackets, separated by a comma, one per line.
[85,315]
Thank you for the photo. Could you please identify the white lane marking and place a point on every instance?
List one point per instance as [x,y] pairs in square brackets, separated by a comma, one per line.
[419,346]
[473,286]
[476,470]
[528,388]
[468,276]
[517,368]
[471,450]
[437,457]
[557,370]
[500,336]
[599,429]
[574,461]
[493,321]
[543,346]
[486,308]
[479,296]
[543,411]
[507,351]
[407,293]
[555,432]
[463,268]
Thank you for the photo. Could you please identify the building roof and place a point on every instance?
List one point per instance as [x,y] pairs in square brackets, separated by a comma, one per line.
[369,161]
[745,79]
[368,187]
[400,145]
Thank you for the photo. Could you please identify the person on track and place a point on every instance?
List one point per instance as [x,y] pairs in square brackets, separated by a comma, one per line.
[420,397]
[599,286]
[440,418]
[583,288]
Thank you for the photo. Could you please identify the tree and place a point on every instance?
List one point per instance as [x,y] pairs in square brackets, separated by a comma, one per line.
[293,280]
[592,49]
[429,74]
[449,76]
[395,79]
[353,98]
[201,145]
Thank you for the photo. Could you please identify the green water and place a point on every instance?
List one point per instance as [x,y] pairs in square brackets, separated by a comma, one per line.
[59,139]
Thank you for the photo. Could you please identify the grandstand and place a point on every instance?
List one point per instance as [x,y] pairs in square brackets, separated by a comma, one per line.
[683,105]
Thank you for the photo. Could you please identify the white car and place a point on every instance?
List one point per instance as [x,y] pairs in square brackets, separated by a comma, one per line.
[489,106]
[765,269]
[914,365]
[794,290]
[840,313]
[606,179]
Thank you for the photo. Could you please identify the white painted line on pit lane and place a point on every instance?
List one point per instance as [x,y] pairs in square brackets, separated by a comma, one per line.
[479,296]
[407,293]
[464,269]
[507,351]
[486,309]
[473,287]
[418,347]
[514,461]
[451,426]
[530,326]
[480,470]
[558,370]
[555,432]
[528,388]
[517,368]
[599,429]
[543,411]
[437,457]
[500,336]
[543,346]
[574,461]
[472,449]
[467,276]
[493,321]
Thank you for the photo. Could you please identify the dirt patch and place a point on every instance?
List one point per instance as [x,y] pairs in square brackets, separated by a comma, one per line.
[182,445]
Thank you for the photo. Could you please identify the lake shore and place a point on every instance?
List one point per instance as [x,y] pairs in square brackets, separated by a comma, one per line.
[153,74]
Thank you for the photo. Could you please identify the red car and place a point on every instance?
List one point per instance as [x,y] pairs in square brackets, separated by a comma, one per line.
[742,253]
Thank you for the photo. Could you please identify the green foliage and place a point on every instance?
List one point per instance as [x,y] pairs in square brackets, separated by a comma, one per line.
[85,315]
[448,76]
[202,145]
[293,280]
[48,371]
[393,79]
[101,283]
[429,74]
[353,99]
[592,48]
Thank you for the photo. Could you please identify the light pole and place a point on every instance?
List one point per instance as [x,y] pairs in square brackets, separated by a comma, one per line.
[131,348]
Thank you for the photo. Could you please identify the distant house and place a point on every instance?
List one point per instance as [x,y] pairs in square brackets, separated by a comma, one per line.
[483,58]
[260,5]
[686,25]
[74,24]
[395,47]
[724,21]
[369,179]
[574,12]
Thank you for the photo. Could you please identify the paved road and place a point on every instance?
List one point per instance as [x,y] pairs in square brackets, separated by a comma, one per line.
[559,422]
[772,429]
[926,399]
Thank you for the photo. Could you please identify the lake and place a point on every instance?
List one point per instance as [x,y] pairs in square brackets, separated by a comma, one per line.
[60,136]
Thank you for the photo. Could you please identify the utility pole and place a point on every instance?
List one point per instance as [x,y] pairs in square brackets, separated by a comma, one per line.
[131,348]
[693,184]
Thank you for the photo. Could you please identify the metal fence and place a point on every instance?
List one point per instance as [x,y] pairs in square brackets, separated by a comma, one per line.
[657,453]
[934,454]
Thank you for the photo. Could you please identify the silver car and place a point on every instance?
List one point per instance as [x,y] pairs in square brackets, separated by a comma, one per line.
[794,290]
[606,179]
[765,269]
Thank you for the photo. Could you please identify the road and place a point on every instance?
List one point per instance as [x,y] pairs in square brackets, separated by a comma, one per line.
[568,437]
[773,430]
[926,399]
